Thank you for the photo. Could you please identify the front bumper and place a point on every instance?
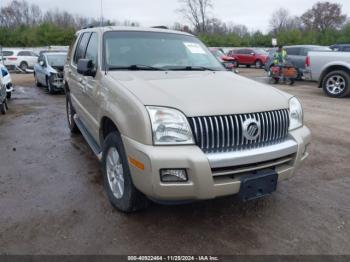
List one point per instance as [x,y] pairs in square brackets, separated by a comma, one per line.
[210,176]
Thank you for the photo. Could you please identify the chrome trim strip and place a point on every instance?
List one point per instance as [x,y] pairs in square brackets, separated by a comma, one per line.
[250,156]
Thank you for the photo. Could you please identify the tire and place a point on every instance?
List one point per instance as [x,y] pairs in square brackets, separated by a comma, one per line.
[291,82]
[23,66]
[336,84]
[37,83]
[49,86]
[275,80]
[8,95]
[70,116]
[236,64]
[248,66]
[120,189]
[258,64]
[3,108]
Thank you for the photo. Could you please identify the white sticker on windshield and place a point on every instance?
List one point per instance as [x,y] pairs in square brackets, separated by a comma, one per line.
[194,48]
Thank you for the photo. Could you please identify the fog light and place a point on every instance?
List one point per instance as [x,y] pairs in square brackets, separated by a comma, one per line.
[173,175]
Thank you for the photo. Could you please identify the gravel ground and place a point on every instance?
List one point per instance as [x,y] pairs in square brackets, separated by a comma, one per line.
[52,200]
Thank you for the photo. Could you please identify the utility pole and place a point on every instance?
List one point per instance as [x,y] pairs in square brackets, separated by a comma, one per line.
[101,19]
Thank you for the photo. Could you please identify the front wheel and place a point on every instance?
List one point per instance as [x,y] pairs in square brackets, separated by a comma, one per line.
[336,84]
[258,64]
[23,66]
[49,86]
[120,189]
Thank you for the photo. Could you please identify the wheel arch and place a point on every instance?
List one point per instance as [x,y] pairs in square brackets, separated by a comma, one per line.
[107,126]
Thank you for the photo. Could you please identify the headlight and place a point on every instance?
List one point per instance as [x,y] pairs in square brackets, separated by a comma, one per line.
[169,126]
[295,114]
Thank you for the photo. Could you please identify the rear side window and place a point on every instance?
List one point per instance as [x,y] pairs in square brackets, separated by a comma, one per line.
[7,53]
[293,51]
[346,49]
[25,53]
[92,49]
[81,48]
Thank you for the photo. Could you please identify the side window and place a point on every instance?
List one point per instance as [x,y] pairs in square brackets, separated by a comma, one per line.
[346,49]
[81,48]
[92,49]
[24,53]
[293,51]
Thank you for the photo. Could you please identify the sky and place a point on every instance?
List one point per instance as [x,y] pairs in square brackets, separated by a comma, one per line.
[255,14]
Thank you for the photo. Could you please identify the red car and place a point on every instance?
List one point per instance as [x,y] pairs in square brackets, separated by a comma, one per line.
[249,57]
[227,61]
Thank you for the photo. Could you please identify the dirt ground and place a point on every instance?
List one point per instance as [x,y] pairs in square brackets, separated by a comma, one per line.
[52,200]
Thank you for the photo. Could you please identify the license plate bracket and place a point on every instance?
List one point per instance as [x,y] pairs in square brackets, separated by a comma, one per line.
[258,185]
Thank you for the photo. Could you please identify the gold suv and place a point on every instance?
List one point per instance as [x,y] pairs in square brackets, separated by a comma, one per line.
[169,123]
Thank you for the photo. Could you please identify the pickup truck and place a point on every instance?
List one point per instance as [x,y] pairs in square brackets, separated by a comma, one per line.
[331,70]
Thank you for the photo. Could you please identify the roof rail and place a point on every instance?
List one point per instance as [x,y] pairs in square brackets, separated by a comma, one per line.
[160,27]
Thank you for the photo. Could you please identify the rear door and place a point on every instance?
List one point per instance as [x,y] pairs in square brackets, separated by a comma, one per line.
[91,87]
[75,80]
[250,56]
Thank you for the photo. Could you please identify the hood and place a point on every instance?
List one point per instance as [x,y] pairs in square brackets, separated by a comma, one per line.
[203,93]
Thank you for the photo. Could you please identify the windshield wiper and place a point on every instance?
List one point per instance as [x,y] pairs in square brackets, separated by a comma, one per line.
[136,67]
[190,68]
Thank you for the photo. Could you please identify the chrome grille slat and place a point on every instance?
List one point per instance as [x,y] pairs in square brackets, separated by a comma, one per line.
[225,132]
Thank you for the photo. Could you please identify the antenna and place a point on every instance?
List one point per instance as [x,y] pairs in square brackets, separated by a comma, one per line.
[101,21]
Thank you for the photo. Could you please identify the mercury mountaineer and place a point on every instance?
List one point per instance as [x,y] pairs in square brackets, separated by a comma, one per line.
[169,123]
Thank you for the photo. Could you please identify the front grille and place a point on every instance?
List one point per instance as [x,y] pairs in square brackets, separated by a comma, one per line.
[225,133]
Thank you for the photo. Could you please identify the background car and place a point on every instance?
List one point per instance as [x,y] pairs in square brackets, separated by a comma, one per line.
[341,47]
[19,58]
[229,62]
[6,80]
[296,56]
[49,70]
[3,98]
[249,57]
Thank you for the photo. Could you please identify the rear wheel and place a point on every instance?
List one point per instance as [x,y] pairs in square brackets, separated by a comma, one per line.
[336,84]
[23,66]
[70,116]
[120,189]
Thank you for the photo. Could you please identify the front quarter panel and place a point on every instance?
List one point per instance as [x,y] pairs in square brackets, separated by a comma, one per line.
[125,110]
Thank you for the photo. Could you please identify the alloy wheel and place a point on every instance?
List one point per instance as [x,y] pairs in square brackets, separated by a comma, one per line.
[336,84]
[115,172]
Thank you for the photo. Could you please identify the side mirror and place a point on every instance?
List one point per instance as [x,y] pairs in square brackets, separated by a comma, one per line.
[253,54]
[41,62]
[86,67]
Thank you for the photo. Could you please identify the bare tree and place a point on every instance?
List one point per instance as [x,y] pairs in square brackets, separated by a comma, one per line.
[282,20]
[196,12]
[324,15]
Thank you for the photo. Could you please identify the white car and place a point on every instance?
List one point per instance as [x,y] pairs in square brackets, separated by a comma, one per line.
[19,58]
[6,80]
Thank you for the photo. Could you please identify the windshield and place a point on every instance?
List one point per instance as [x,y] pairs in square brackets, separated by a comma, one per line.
[153,50]
[217,53]
[57,59]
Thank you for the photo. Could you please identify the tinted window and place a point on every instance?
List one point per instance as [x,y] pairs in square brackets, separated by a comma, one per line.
[25,53]
[346,49]
[81,48]
[7,53]
[293,50]
[92,49]
[4,72]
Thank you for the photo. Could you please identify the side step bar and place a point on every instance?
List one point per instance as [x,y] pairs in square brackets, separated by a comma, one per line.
[88,137]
